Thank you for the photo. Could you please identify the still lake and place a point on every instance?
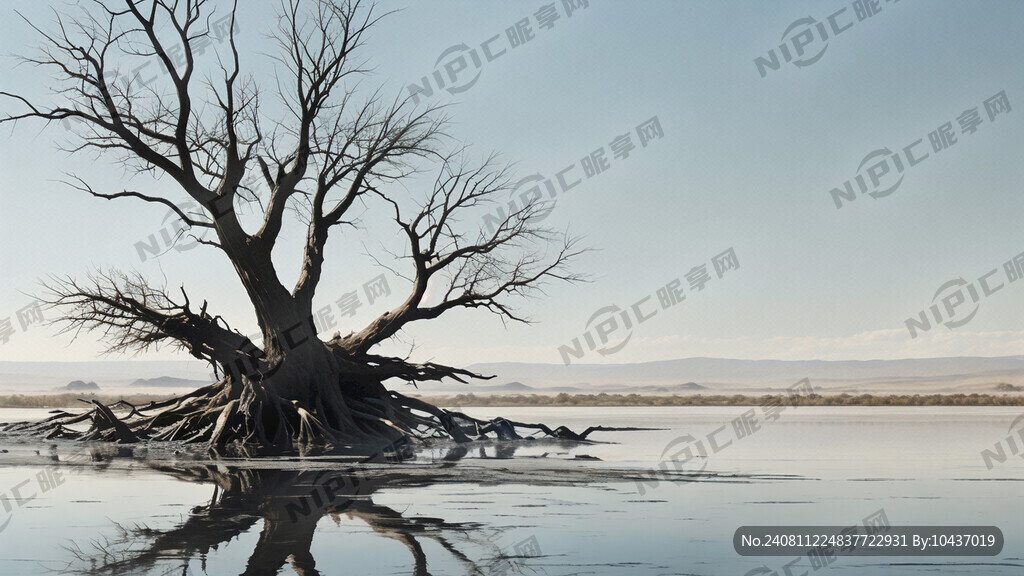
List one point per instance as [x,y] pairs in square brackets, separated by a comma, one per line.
[544,508]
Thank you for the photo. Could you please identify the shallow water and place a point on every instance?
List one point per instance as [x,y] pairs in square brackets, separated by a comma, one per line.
[482,514]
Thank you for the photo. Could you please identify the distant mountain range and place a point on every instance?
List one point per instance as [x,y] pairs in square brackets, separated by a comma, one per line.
[713,375]
[683,376]
[520,388]
[511,388]
[79,385]
[168,382]
[115,376]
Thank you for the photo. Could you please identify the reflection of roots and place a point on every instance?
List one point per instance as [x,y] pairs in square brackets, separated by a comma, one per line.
[223,413]
[390,524]
[290,504]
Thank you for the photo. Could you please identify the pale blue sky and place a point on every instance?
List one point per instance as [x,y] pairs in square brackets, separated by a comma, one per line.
[745,162]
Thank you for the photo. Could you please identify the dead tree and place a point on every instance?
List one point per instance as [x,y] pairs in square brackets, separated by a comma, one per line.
[324,153]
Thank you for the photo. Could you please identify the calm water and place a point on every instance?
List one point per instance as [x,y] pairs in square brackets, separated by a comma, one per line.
[484,514]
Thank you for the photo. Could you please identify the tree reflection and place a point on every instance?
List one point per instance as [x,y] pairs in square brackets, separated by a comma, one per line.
[290,504]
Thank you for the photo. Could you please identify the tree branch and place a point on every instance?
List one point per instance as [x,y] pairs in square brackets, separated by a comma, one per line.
[480,273]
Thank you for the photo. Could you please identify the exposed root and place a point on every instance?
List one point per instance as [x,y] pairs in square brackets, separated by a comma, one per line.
[271,422]
[225,414]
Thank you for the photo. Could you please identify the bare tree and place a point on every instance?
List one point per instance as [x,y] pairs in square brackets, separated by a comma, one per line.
[325,152]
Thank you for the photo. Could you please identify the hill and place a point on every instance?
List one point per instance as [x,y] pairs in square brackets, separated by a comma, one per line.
[168,382]
[80,385]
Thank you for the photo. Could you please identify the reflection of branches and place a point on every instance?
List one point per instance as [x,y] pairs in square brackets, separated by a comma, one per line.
[116,554]
[290,504]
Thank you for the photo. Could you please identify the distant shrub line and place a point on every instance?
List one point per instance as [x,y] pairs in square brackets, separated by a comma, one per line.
[726,400]
[71,400]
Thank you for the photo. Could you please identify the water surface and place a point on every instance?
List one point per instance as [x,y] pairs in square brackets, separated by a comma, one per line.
[545,508]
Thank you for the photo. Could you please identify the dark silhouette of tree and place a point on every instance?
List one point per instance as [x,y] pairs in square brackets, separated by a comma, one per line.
[289,504]
[327,151]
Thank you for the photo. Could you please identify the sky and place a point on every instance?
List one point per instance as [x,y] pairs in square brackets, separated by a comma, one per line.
[736,160]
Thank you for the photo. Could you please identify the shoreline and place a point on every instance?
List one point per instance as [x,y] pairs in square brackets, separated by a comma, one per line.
[595,400]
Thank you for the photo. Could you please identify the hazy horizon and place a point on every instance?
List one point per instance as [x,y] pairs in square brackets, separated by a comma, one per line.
[713,375]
